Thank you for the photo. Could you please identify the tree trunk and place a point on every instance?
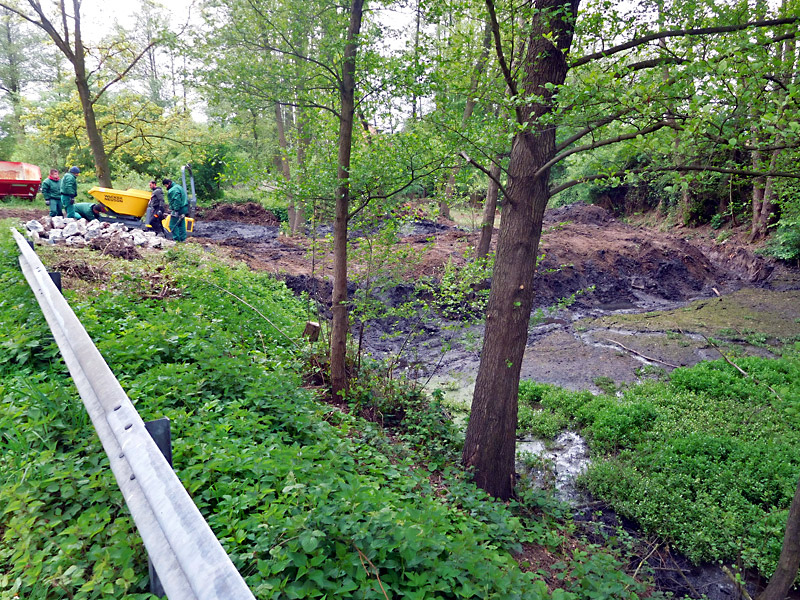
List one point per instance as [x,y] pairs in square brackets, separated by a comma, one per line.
[765,207]
[339,325]
[489,210]
[490,443]
[283,162]
[789,561]
[102,169]
[303,141]
[469,107]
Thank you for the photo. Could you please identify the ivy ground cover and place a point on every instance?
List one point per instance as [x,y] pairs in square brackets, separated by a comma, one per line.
[708,461]
[308,501]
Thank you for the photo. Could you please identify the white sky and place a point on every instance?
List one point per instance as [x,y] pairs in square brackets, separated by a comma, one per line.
[99,12]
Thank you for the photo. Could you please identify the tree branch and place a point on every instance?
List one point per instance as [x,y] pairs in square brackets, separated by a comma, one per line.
[480,167]
[592,127]
[677,168]
[600,143]
[509,78]
[125,72]
[682,33]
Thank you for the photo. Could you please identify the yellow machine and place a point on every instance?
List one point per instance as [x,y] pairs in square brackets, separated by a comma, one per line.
[130,206]
[127,203]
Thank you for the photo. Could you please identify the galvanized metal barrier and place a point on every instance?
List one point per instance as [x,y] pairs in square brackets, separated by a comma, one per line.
[189,559]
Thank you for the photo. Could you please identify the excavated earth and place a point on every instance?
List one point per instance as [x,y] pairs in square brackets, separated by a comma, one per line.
[621,273]
[647,301]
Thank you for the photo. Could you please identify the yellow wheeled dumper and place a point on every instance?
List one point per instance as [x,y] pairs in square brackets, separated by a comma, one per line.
[130,206]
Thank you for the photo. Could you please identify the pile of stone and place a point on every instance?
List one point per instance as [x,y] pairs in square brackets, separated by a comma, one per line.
[80,233]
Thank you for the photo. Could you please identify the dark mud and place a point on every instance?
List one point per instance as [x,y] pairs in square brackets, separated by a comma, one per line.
[616,271]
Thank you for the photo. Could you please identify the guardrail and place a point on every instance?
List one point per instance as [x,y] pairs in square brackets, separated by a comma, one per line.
[187,556]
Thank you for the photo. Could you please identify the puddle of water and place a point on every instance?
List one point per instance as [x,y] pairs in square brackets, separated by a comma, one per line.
[567,457]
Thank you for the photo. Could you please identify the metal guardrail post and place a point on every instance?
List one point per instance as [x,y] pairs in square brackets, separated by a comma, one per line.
[159,431]
[190,560]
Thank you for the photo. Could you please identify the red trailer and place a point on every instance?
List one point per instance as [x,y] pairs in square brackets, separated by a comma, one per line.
[19,179]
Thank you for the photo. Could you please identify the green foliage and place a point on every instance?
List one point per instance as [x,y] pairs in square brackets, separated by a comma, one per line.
[708,461]
[785,242]
[544,409]
[307,501]
[209,171]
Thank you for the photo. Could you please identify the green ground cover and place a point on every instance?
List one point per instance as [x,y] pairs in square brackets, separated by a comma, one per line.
[309,501]
[708,461]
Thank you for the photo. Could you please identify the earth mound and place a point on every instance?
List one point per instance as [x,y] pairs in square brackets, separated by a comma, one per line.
[251,213]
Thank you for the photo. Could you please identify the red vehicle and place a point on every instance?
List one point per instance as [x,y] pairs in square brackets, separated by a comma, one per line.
[19,179]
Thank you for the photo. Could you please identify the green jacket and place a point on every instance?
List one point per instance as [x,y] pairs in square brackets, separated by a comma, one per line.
[178,201]
[69,185]
[51,189]
[84,209]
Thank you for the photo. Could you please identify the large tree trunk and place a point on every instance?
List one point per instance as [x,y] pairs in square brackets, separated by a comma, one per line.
[96,144]
[490,442]
[789,561]
[489,210]
[339,325]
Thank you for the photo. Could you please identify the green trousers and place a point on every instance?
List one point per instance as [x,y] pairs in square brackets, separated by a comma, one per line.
[178,228]
[56,210]
[69,206]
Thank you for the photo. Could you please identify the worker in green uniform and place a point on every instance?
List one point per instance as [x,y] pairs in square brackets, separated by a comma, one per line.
[178,207]
[69,189]
[51,190]
[88,210]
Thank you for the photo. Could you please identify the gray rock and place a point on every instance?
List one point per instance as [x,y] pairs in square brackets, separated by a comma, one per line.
[34,225]
[71,228]
[77,241]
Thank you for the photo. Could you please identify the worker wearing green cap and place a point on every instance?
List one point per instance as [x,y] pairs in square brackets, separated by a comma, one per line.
[69,190]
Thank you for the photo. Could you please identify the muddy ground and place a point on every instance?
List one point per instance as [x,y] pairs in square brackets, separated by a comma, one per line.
[652,301]
[649,301]
[634,318]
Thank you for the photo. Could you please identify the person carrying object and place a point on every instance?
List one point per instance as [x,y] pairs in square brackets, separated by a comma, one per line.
[178,207]
[157,209]
[51,190]
[69,190]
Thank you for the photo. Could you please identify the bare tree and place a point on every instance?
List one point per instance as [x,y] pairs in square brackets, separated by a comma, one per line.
[68,37]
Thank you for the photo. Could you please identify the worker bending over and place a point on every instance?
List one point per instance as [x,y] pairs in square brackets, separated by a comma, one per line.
[88,211]
[179,208]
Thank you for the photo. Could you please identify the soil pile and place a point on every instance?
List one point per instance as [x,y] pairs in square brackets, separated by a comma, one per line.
[584,246]
[247,212]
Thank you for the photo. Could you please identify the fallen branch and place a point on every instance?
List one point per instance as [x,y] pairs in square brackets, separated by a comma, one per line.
[632,351]
[737,583]
[363,557]
[744,373]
